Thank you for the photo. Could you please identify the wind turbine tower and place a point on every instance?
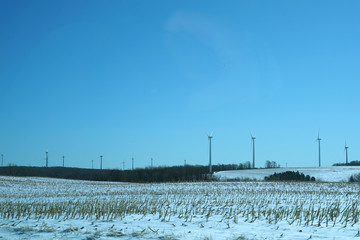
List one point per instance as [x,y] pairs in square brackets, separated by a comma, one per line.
[346,150]
[253,147]
[319,139]
[47,158]
[63,161]
[132,163]
[101,156]
[152,163]
[210,167]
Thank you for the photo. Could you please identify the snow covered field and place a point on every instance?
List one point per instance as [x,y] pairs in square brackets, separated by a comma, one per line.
[43,208]
[327,174]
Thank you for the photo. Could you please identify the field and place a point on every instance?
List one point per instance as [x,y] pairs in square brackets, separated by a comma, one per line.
[43,208]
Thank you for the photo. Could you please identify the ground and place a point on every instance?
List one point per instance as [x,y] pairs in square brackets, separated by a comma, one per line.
[44,208]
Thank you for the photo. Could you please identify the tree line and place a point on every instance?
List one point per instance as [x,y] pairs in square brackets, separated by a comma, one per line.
[352,163]
[158,174]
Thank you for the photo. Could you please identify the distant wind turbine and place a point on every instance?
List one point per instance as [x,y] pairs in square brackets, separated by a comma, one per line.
[210,137]
[253,145]
[101,156]
[346,150]
[46,158]
[319,139]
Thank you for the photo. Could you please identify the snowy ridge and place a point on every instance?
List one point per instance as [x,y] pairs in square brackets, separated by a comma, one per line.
[326,174]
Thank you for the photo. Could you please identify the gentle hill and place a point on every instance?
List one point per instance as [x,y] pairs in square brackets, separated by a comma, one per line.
[328,174]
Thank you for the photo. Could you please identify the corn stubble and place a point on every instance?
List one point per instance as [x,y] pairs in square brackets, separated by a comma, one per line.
[309,204]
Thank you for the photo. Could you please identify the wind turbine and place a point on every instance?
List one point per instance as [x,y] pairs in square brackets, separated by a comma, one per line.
[319,139]
[210,137]
[63,160]
[101,156]
[253,145]
[346,150]
[47,158]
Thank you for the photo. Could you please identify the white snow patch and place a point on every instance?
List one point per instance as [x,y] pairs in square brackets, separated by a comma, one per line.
[327,174]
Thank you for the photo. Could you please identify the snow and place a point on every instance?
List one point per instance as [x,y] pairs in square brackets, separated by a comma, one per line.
[136,227]
[327,174]
[199,210]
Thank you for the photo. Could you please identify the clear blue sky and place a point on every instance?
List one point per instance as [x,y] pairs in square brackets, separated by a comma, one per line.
[150,78]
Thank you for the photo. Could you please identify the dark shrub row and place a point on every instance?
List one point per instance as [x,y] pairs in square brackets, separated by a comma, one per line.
[289,176]
[352,163]
[355,178]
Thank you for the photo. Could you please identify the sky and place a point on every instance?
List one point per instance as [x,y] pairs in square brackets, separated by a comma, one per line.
[149,79]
